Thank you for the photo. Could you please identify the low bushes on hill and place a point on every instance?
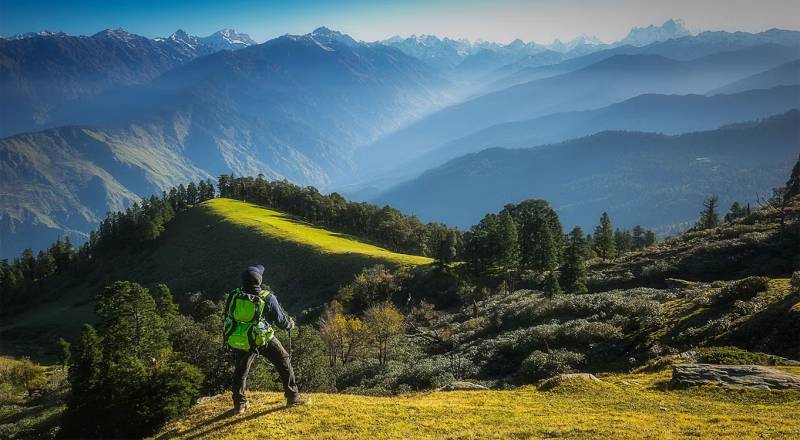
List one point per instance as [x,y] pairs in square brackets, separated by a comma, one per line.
[735,356]
[743,290]
[539,365]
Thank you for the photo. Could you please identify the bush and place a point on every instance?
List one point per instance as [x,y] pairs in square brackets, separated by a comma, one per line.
[424,375]
[734,356]
[540,365]
[743,289]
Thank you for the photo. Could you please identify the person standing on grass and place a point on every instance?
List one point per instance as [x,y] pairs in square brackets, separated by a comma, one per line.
[250,314]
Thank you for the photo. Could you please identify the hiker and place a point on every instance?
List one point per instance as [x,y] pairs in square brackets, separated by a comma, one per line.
[250,313]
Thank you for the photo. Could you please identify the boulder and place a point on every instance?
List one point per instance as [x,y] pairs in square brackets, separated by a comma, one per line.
[571,378]
[733,376]
[462,386]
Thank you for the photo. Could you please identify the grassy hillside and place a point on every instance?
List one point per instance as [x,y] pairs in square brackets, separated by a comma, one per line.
[205,249]
[275,224]
[624,406]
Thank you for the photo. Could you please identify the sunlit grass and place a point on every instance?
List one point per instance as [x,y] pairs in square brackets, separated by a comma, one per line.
[279,225]
[630,406]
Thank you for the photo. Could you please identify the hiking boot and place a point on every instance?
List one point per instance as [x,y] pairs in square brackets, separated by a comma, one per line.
[297,400]
[241,409]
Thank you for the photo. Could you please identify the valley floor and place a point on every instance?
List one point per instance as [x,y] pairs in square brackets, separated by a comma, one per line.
[624,406]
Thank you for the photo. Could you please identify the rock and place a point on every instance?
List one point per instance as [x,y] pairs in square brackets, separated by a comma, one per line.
[555,381]
[462,386]
[733,376]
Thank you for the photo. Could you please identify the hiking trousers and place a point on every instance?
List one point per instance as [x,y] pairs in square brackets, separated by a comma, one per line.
[275,353]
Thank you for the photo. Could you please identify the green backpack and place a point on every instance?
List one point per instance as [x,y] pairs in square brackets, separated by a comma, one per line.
[244,329]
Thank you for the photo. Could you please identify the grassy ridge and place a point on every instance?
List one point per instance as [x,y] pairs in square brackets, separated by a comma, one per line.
[626,406]
[275,224]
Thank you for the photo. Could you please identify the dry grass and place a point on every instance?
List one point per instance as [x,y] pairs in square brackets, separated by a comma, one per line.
[632,406]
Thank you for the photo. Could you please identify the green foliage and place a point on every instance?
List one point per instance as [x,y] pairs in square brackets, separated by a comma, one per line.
[551,287]
[310,361]
[492,246]
[540,365]
[541,238]
[423,375]
[795,281]
[734,356]
[373,285]
[709,217]
[573,271]
[604,244]
[743,290]
[129,375]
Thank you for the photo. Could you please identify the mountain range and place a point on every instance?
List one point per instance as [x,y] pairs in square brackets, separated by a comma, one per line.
[650,179]
[610,80]
[99,121]
[668,114]
[293,107]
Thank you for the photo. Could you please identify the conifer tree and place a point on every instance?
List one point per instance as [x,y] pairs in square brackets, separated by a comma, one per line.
[508,242]
[604,244]
[573,272]
[551,286]
[709,218]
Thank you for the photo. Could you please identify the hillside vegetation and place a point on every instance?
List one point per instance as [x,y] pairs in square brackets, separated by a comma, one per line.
[622,406]
[204,249]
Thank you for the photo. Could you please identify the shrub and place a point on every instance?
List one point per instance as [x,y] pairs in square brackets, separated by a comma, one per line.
[424,375]
[734,356]
[743,289]
[540,365]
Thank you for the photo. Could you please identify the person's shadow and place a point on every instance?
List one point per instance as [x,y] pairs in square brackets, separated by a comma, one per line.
[194,432]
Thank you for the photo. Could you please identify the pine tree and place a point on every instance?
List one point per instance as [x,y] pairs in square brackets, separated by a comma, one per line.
[551,286]
[508,241]
[165,304]
[736,211]
[604,244]
[573,272]
[542,250]
[709,218]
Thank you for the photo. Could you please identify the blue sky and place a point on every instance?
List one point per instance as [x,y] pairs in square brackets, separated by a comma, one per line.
[498,20]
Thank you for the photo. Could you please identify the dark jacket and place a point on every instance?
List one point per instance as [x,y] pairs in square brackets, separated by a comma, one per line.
[273,312]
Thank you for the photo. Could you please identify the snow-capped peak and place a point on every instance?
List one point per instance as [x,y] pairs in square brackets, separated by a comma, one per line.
[642,36]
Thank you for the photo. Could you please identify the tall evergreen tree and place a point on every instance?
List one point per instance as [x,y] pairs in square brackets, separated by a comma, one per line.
[508,242]
[709,218]
[604,244]
[573,272]
[551,286]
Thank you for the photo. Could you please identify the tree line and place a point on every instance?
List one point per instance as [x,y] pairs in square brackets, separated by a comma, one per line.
[526,241]
[22,280]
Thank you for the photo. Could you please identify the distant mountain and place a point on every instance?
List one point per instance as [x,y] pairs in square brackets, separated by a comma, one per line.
[611,80]
[783,75]
[638,178]
[43,75]
[668,114]
[439,53]
[227,39]
[462,57]
[294,107]
[579,43]
[642,36]
[683,49]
